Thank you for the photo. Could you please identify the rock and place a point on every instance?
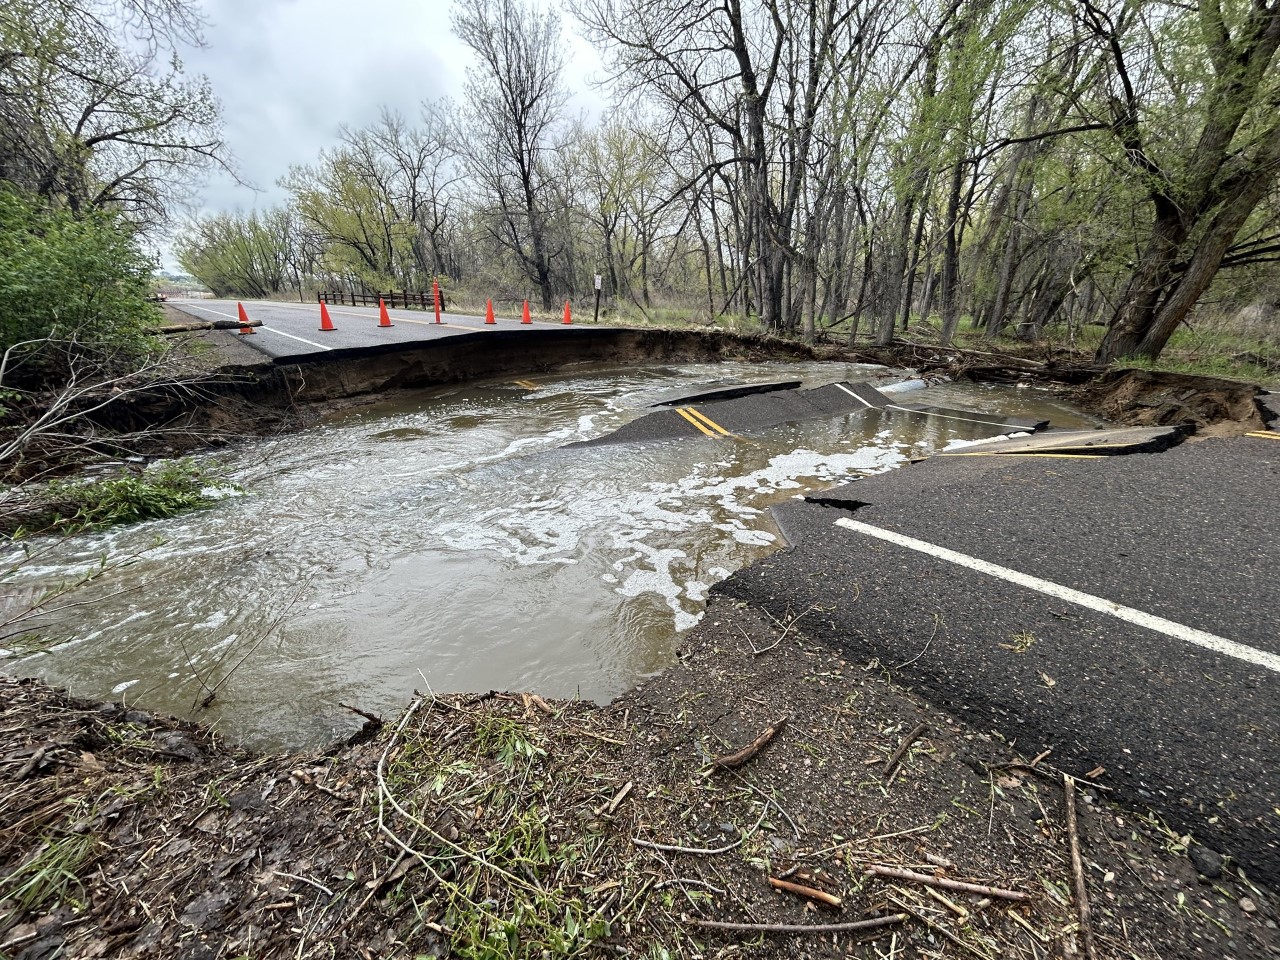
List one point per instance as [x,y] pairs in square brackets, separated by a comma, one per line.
[1248,906]
[181,746]
[205,911]
[1206,861]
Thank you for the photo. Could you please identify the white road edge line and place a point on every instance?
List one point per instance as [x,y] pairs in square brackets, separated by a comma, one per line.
[264,327]
[841,386]
[312,343]
[1139,618]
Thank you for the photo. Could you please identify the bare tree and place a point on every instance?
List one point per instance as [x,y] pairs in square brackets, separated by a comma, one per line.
[515,104]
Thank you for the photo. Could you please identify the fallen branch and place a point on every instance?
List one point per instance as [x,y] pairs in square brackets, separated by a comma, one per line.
[202,325]
[852,926]
[800,890]
[897,873]
[890,768]
[621,795]
[1077,869]
[738,758]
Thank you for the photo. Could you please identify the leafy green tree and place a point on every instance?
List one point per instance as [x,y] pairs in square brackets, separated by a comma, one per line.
[242,255]
[78,280]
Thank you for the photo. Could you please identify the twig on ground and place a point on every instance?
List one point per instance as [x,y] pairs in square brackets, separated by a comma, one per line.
[786,628]
[739,757]
[621,795]
[897,873]
[937,623]
[941,930]
[1077,869]
[852,926]
[705,851]
[812,893]
[891,768]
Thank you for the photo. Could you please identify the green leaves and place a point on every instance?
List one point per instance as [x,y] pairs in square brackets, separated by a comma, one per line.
[81,279]
[164,491]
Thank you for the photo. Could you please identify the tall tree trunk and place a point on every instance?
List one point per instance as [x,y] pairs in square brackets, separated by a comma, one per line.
[951,259]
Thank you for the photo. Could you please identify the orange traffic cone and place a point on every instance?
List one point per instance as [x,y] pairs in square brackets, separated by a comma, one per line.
[384,319]
[524,317]
[488,312]
[245,329]
[325,322]
[435,295]
[566,312]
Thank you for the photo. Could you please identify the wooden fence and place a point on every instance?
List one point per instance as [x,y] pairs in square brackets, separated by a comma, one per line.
[392,298]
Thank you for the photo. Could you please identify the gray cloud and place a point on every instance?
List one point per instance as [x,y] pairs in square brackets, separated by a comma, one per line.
[290,72]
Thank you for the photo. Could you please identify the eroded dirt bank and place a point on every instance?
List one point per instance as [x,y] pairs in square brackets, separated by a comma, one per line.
[503,825]
[245,398]
[248,395]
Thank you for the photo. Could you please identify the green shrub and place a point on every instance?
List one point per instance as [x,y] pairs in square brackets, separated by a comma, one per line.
[80,280]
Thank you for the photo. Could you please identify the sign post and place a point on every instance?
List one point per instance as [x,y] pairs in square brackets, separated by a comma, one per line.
[599,281]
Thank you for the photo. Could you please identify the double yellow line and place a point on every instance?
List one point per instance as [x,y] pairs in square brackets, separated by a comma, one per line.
[703,422]
[1264,435]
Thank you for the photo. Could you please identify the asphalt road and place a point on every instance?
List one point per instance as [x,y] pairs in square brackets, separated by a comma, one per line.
[291,331]
[1170,683]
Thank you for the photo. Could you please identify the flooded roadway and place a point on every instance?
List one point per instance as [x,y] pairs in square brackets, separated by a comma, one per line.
[445,540]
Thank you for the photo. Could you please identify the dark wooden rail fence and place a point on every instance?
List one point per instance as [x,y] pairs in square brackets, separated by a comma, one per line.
[392,298]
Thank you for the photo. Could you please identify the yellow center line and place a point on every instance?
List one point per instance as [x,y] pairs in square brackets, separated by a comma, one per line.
[527,384]
[685,413]
[1264,435]
[709,422]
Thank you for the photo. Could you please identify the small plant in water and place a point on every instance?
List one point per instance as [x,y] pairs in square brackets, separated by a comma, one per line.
[162,491]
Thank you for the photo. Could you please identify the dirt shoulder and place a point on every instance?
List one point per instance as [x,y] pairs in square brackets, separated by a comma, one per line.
[503,825]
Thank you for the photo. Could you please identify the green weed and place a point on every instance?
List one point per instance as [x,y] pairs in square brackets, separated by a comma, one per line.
[51,876]
[163,491]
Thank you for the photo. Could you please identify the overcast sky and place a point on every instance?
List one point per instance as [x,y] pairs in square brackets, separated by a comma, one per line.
[288,72]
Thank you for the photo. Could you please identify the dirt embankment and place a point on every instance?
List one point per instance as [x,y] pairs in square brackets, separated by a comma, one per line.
[226,390]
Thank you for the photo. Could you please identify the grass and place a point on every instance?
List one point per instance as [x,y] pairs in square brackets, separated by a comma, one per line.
[51,875]
[509,881]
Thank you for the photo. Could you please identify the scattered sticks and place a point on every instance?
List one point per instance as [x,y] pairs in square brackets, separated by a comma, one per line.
[738,758]
[898,873]
[1077,869]
[852,926]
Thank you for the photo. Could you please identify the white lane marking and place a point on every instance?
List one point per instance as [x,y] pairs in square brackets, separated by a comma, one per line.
[196,306]
[318,346]
[841,386]
[949,416]
[1130,615]
[265,329]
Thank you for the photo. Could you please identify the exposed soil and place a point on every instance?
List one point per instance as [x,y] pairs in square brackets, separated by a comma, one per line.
[502,825]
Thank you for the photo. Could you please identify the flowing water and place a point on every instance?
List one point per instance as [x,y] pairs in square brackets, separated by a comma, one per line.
[447,540]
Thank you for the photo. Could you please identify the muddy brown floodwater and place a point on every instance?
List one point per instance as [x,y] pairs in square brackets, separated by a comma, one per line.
[444,540]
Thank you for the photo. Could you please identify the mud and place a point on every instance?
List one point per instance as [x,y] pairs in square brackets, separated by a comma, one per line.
[1151,398]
